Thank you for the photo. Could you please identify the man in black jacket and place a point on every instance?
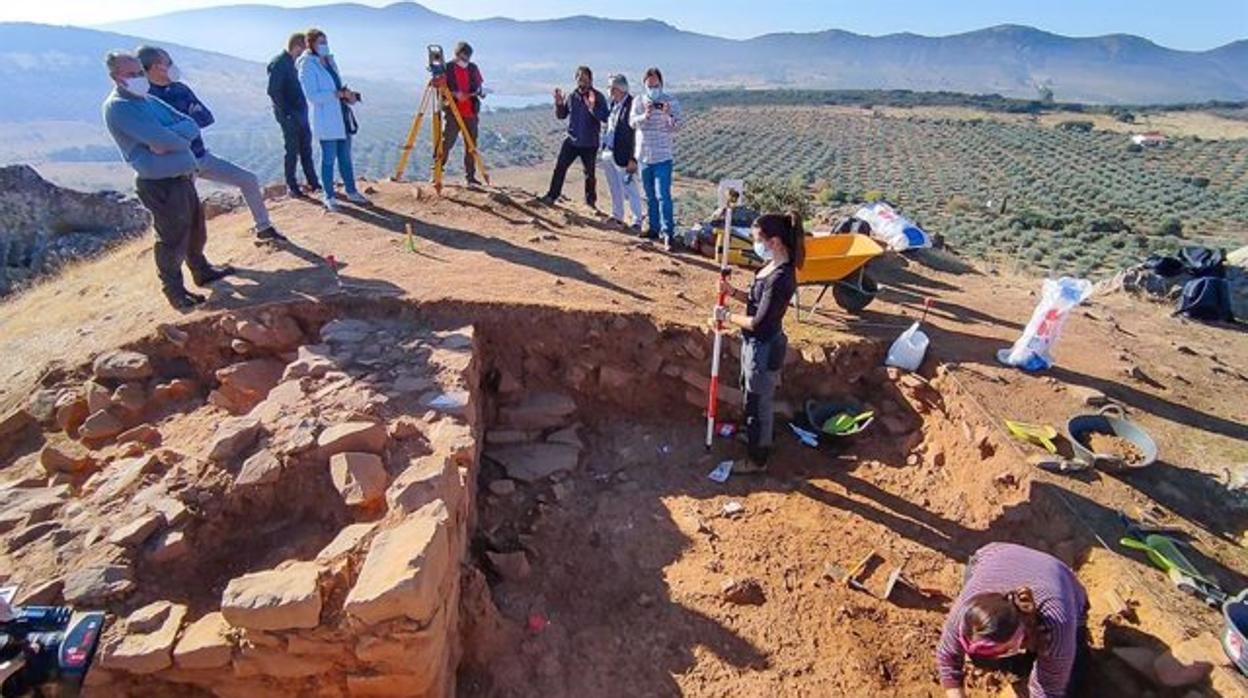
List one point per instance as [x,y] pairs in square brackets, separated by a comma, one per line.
[291,110]
[463,79]
[586,110]
[619,165]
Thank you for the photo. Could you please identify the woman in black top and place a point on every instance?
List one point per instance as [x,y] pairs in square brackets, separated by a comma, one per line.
[780,241]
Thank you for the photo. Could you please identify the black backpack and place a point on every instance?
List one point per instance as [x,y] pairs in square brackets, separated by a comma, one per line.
[1207,298]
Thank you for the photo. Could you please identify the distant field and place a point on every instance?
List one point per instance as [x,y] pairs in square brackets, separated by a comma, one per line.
[1062,198]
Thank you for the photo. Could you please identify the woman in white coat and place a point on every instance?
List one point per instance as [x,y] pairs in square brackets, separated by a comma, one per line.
[330,114]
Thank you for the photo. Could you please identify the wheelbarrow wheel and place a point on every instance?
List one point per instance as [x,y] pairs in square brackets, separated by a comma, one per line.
[855,297]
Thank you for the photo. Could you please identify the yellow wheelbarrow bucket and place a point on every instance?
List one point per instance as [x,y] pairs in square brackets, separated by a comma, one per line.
[839,262]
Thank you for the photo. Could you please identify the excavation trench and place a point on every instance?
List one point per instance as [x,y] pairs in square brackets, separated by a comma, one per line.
[373,497]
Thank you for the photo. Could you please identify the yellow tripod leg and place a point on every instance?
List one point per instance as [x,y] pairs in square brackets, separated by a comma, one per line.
[412,134]
[469,143]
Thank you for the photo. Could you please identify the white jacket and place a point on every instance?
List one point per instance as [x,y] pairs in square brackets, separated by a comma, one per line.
[324,107]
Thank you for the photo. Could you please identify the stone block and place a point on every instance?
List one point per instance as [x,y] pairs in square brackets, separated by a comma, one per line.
[122,365]
[233,436]
[534,462]
[425,480]
[364,437]
[277,599]
[136,531]
[347,541]
[407,570]
[97,583]
[148,644]
[359,477]
[262,468]
[205,644]
[539,411]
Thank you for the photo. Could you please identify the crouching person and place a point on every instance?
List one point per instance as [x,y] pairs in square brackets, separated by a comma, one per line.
[778,239]
[1020,611]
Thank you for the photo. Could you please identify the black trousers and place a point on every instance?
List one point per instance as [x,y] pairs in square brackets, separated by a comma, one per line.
[450,134]
[297,137]
[181,230]
[568,154]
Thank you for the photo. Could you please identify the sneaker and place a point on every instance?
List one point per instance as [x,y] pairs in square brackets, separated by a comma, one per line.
[214,274]
[745,466]
[183,299]
[313,188]
[331,205]
[270,234]
[473,182]
[295,192]
[357,198]
[637,227]
[548,200]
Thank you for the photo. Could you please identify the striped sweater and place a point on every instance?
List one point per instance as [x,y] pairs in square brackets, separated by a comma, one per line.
[655,132]
[1060,602]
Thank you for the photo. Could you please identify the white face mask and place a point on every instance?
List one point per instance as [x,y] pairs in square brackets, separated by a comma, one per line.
[137,86]
[762,251]
[322,50]
[654,92]
[175,74]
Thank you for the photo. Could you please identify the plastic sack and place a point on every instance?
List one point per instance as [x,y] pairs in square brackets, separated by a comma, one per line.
[908,349]
[893,229]
[1032,351]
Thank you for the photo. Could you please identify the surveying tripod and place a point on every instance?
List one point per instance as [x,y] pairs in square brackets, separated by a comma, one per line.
[437,96]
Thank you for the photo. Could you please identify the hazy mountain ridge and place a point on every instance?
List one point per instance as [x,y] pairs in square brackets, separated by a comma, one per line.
[529,56]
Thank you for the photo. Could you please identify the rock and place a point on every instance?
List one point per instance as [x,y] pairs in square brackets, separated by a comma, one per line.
[137,531]
[279,664]
[101,425]
[42,594]
[562,490]
[456,441]
[364,437]
[97,583]
[98,397]
[503,487]
[277,599]
[1088,396]
[276,333]
[312,360]
[233,436]
[131,397]
[744,592]
[169,546]
[143,433]
[512,567]
[1190,661]
[534,462]
[405,571]
[896,425]
[148,645]
[71,412]
[42,405]
[507,383]
[345,330]
[14,423]
[262,468]
[205,644]
[120,476]
[294,437]
[452,402]
[615,380]
[347,540]
[122,365]
[246,383]
[426,479]
[359,477]
[404,427]
[567,437]
[68,457]
[539,411]
[30,534]
[423,653]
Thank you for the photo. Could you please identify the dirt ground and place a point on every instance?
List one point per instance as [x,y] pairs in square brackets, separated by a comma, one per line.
[630,565]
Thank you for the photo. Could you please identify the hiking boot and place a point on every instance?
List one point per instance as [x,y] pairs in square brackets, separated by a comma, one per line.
[213,273]
[270,234]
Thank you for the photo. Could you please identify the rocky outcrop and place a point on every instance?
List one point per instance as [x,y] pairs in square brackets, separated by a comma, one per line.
[43,226]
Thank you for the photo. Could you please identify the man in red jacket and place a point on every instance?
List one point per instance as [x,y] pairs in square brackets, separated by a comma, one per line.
[463,78]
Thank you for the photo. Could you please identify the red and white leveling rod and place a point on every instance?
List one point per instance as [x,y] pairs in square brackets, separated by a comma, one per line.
[730,193]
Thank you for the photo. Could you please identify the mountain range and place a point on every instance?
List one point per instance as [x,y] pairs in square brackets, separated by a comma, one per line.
[519,57]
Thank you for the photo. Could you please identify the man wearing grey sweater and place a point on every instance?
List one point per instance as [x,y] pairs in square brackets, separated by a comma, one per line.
[155,140]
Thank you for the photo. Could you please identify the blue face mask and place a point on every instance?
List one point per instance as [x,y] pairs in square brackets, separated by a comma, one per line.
[654,92]
[322,50]
[762,251]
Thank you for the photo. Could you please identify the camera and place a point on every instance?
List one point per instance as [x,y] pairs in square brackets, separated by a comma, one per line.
[437,63]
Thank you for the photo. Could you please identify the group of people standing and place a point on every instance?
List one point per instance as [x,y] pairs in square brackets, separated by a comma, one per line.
[631,138]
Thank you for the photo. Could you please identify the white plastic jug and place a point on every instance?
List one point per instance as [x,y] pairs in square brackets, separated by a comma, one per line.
[908,350]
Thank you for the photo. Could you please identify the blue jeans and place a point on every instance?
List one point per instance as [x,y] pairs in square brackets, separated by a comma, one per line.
[340,150]
[656,178]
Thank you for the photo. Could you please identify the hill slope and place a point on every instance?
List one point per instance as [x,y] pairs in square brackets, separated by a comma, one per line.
[528,56]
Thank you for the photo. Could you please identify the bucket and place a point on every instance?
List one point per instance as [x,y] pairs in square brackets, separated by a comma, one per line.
[1110,420]
[1235,612]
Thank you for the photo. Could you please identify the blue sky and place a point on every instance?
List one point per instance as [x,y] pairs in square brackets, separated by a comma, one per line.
[1191,24]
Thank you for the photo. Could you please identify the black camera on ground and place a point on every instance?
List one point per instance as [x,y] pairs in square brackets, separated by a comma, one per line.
[437,61]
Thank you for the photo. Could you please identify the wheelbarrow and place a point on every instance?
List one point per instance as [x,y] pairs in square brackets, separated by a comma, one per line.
[1110,420]
[839,263]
